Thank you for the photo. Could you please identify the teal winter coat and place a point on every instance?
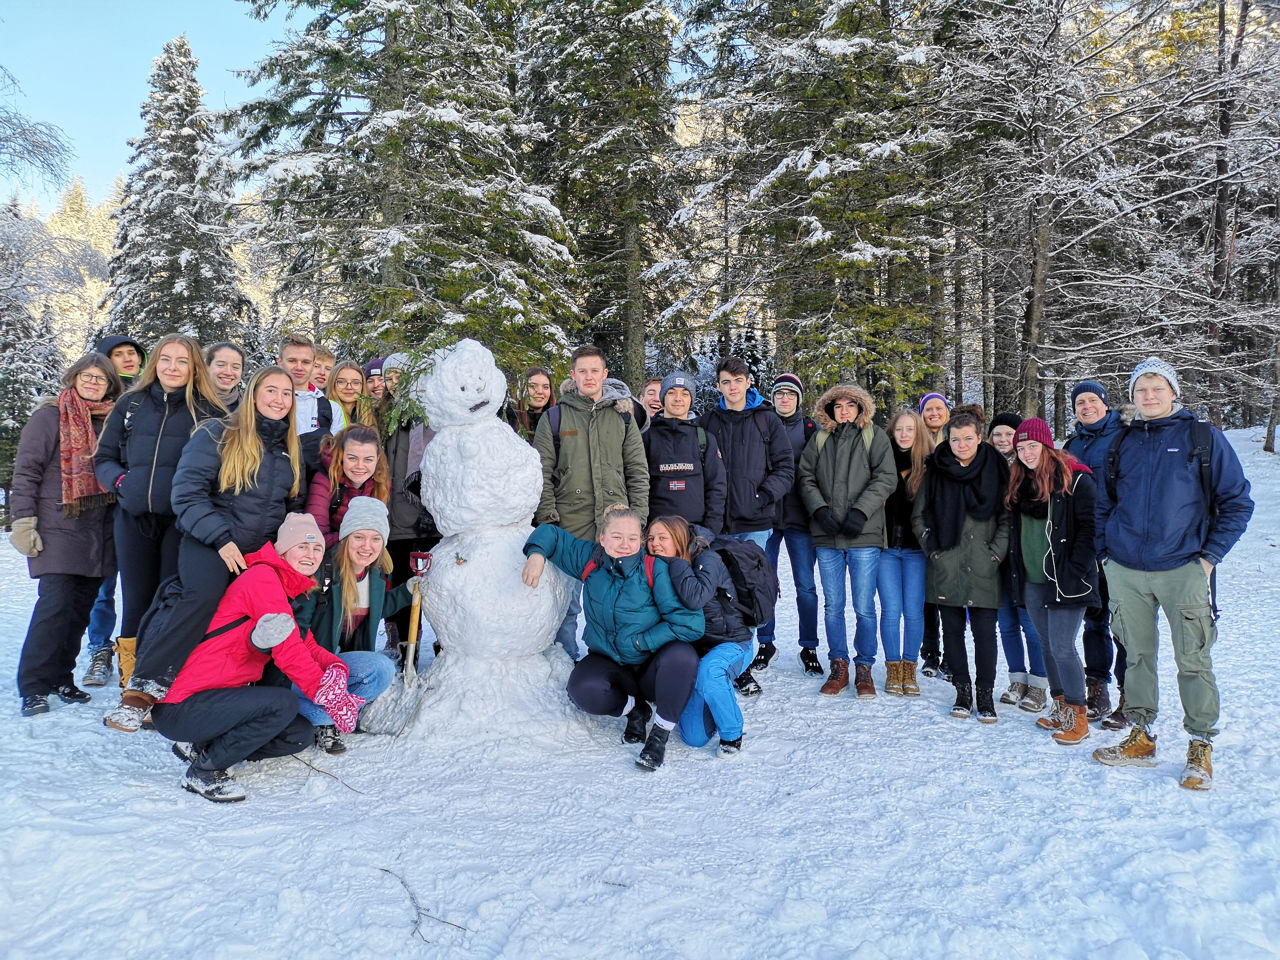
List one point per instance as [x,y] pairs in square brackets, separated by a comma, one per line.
[322,612]
[626,620]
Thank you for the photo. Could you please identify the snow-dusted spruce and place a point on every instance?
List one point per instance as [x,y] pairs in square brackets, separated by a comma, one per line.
[172,271]
[482,483]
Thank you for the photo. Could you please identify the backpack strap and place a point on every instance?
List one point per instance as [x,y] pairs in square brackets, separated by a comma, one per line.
[1113,462]
[589,569]
[649,560]
[868,435]
[758,416]
[702,443]
[1202,450]
[226,627]
[821,442]
[553,418]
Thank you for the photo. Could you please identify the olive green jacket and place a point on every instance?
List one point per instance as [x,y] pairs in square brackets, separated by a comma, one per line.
[967,575]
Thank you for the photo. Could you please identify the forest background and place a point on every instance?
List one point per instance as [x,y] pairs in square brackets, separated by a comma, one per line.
[991,199]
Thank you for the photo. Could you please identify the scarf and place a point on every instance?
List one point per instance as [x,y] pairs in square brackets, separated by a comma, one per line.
[1027,503]
[77,442]
[901,460]
[955,491]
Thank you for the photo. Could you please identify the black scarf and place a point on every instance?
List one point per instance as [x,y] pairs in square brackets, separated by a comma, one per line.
[901,459]
[1027,503]
[955,491]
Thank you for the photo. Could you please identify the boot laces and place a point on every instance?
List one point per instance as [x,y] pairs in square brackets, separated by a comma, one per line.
[1197,753]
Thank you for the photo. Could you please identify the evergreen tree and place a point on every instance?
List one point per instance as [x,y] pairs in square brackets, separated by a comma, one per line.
[386,143]
[172,270]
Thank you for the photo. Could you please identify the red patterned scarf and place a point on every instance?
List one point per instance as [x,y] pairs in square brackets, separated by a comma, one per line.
[77,441]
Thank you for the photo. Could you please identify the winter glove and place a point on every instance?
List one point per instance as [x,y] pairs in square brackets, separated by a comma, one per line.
[24,537]
[272,630]
[827,521]
[854,521]
[331,694]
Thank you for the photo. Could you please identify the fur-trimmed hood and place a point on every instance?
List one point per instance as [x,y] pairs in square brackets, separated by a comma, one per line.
[825,413]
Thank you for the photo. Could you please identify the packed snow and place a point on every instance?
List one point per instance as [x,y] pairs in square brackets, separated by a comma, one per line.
[870,829]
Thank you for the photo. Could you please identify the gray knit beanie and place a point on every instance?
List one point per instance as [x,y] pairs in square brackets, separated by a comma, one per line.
[679,380]
[1159,367]
[365,513]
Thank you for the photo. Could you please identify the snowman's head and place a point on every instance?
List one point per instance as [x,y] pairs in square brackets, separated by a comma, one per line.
[462,385]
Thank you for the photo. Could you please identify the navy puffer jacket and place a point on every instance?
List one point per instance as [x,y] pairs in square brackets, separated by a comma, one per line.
[1090,442]
[684,480]
[705,584]
[217,517]
[758,461]
[140,446]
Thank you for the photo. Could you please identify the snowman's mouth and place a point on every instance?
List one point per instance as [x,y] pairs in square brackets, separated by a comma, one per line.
[476,406]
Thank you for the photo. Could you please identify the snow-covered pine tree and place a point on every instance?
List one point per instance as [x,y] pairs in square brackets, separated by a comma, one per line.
[172,270]
[386,145]
[596,76]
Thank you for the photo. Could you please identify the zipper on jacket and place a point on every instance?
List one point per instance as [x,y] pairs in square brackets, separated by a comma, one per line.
[155,457]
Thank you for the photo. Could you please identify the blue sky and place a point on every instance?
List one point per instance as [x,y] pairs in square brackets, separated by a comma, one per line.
[83,65]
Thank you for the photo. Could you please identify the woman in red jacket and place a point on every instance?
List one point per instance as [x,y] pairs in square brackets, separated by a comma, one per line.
[212,713]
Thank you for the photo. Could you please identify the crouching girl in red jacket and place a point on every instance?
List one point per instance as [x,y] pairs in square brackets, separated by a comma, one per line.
[212,713]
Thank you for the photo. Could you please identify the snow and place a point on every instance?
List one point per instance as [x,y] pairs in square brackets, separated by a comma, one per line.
[845,829]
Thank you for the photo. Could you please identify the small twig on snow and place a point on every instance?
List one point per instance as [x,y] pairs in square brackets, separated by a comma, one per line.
[418,908]
[328,774]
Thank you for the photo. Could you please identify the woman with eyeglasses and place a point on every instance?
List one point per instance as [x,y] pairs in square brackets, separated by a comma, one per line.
[346,390]
[62,525]
[136,459]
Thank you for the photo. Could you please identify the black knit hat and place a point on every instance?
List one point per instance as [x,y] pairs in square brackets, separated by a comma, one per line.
[788,381]
[1005,420]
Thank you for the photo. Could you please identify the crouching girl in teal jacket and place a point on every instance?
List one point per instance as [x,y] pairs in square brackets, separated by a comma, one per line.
[638,633]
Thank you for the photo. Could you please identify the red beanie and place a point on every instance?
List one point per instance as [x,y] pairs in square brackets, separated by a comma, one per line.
[1034,429]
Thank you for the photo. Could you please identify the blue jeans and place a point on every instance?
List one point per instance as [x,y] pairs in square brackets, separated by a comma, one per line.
[862,564]
[714,705]
[1010,619]
[102,619]
[1059,627]
[368,675]
[803,560]
[900,586]
[567,635]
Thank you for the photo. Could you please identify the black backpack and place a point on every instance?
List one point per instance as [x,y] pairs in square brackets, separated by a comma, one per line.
[754,580]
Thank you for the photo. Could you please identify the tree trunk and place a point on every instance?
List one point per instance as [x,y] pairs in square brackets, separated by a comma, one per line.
[957,308]
[987,309]
[1059,407]
[1273,421]
[633,335]
[1030,390]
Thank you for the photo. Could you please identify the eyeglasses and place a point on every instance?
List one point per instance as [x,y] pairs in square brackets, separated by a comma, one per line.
[92,378]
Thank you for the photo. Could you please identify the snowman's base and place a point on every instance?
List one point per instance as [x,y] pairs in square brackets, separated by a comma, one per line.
[482,700]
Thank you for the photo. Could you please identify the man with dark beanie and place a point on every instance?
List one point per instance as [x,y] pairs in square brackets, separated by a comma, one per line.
[1096,426]
[791,524]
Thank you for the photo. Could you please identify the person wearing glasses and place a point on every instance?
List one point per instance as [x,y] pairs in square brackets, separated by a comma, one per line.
[62,525]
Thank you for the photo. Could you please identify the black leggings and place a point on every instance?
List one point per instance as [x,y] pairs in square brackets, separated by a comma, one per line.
[241,723]
[983,624]
[601,686]
[146,553]
[161,654]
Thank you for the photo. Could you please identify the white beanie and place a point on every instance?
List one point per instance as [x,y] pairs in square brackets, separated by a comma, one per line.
[365,513]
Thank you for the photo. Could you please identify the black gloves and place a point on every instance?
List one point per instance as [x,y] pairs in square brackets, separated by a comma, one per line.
[854,521]
[827,521]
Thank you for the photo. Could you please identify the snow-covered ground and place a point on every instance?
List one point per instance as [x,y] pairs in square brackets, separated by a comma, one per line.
[845,829]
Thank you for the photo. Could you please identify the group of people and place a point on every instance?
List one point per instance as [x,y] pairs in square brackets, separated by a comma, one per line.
[262,535]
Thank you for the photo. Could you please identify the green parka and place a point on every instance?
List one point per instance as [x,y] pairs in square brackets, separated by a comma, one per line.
[600,462]
[838,469]
[967,575]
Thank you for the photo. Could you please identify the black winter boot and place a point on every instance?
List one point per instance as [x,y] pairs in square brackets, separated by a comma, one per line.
[986,705]
[637,723]
[655,749]
[964,701]
[766,653]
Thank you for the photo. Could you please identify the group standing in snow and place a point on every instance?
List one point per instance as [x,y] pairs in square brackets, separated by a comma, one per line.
[262,535]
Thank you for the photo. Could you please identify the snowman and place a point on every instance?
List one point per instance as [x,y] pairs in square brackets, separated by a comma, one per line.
[482,484]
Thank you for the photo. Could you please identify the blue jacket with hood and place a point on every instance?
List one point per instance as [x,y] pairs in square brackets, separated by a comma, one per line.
[1159,519]
[758,460]
[1090,442]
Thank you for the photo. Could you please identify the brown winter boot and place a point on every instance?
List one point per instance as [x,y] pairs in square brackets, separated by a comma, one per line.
[910,687]
[1198,773]
[893,678]
[863,683]
[1097,701]
[839,678]
[1075,724]
[127,650]
[1118,719]
[1054,720]
[129,714]
[1136,750]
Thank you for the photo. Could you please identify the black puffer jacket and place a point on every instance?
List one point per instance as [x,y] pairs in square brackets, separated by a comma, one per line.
[897,509]
[217,517]
[684,480]
[791,513]
[707,586]
[758,462]
[141,443]
[1071,565]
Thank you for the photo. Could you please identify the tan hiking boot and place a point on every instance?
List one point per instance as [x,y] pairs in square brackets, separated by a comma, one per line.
[1198,773]
[1135,750]
[1075,725]
[910,687]
[893,678]
[863,683]
[127,650]
[839,678]
[132,710]
[1053,721]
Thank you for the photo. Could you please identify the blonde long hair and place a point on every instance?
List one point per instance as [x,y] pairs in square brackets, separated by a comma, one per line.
[361,410]
[921,446]
[241,447]
[198,384]
[348,575]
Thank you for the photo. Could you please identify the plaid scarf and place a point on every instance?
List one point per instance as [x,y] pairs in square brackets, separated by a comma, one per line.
[77,442]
